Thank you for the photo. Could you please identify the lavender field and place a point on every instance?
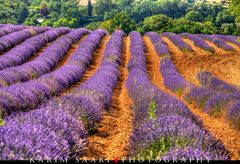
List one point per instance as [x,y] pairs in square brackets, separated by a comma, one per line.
[78,94]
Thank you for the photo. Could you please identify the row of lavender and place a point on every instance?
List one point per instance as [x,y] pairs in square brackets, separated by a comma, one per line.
[215,96]
[62,122]
[25,96]
[43,63]
[164,126]
[54,130]
[12,39]
[9,29]
[199,41]
[22,52]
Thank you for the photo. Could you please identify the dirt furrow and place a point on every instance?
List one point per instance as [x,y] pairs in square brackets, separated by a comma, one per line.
[94,65]
[197,49]
[70,52]
[217,126]
[38,53]
[218,50]
[111,140]
[235,46]
[179,53]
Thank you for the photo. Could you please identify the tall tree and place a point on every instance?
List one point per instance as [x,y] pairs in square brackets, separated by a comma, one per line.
[235,8]
[90,8]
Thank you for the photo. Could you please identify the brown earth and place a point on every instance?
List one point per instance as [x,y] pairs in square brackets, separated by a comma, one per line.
[69,54]
[115,129]
[94,65]
[225,65]
[219,127]
[39,52]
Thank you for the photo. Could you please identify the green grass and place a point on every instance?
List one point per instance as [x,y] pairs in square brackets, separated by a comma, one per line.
[162,145]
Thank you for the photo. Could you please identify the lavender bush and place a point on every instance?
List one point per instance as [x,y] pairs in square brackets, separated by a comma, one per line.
[207,79]
[172,78]
[162,122]
[177,40]
[159,45]
[230,38]
[43,134]
[234,114]
[198,41]
[17,97]
[10,29]
[44,63]
[22,52]
[217,41]
[12,39]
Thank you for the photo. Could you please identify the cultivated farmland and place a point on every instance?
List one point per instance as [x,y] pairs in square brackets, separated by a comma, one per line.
[81,94]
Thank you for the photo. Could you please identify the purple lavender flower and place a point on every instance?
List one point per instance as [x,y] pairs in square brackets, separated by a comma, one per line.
[230,38]
[234,114]
[162,122]
[207,79]
[46,133]
[44,63]
[21,53]
[17,97]
[199,42]
[177,40]
[159,45]
[172,78]
[217,41]
[10,29]
[15,38]
[168,133]
[219,102]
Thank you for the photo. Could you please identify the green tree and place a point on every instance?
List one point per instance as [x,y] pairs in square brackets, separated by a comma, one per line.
[173,8]
[102,6]
[90,8]
[121,21]
[143,9]
[195,16]
[224,17]
[235,8]
[159,23]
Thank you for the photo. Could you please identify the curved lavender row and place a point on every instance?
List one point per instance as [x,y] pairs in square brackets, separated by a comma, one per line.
[234,114]
[230,38]
[15,38]
[207,79]
[198,41]
[167,123]
[44,63]
[217,41]
[177,40]
[74,111]
[26,96]
[221,96]
[214,96]
[9,29]
[43,134]
[22,52]
[216,102]
[139,77]
[96,93]
[160,46]
[172,79]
